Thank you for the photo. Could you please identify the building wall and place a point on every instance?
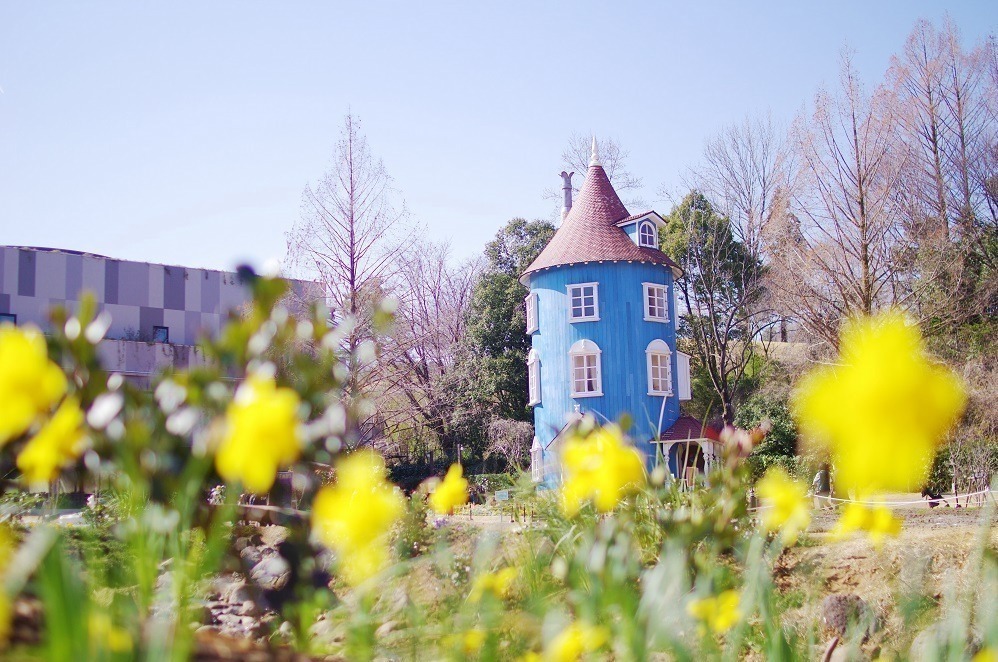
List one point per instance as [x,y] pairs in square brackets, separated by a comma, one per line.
[138,295]
[623,336]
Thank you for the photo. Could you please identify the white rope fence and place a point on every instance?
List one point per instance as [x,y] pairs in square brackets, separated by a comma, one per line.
[923,500]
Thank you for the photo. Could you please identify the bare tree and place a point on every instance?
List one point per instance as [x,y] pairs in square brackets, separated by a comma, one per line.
[350,234]
[843,255]
[744,167]
[916,77]
[613,157]
[422,386]
[509,440]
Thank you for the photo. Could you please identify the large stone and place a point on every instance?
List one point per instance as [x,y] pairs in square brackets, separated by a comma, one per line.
[250,555]
[271,574]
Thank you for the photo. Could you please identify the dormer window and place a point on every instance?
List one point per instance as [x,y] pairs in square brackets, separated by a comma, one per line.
[531,304]
[656,302]
[533,378]
[647,236]
[583,302]
[659,368]
[587,372]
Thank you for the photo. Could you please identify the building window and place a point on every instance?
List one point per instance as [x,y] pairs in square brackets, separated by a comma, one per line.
[536,461]
[161,334]
[531,304]
[583,302]
[656,302]
[659,368]
[533,378]
[647,236]
[8,318]
[587,377]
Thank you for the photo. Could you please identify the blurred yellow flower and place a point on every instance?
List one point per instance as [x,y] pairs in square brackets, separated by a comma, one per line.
[600,467]
[472,641]
[106,636]
[575,641]
[985,655]
[261,434]
[878,523]
[451,492]
[354,516]
[59,442]
[785,506]
[716,614]
[883,409]
[30,384]
[498,583]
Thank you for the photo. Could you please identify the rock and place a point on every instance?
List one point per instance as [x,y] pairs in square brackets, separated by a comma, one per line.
[271,573]
[842,610]
[247,608]
[250,555]
[235,592]
[385,629]
[242,542]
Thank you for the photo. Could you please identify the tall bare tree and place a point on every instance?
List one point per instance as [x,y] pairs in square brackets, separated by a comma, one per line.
[843,255]
[350,235]
[422,386]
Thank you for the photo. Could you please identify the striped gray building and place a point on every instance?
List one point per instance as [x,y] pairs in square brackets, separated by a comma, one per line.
[158,312]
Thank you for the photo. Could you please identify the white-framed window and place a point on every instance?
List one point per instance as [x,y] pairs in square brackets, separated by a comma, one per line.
[587,373]
[531,304]
[647,236]
[656,302]
[533,378]
[583,302]
[659,368]
[536,461]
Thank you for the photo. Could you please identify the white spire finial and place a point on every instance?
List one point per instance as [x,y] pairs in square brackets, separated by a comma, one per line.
[594,158]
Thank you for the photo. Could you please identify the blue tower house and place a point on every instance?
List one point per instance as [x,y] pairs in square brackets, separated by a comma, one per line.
[603,330]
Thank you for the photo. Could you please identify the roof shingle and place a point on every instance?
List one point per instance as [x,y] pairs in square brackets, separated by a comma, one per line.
[687,427]
[590,234]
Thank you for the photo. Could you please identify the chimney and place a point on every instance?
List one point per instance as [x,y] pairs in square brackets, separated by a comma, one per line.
[566,188]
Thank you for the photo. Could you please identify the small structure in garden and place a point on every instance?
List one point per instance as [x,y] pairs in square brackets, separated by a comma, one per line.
[601,318]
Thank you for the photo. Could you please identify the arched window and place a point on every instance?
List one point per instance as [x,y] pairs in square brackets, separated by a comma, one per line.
[587,373]
[659,368]
[533,378]
[647,235]
[536,461]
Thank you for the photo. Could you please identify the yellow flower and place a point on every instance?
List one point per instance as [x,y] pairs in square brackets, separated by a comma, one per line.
[261,434]
[985,655]
[498,583]
[600,467]
[575,641]
[354,517]
[716,614]
[59,442]
[30,384]
[883,409]
[450,493]
[472,641]
[785,507]
[878,523]
[106,636]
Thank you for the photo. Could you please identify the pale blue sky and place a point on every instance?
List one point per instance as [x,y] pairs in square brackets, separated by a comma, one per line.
[185,132]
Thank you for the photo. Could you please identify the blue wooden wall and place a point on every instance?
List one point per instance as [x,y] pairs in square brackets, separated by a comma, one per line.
[621,333]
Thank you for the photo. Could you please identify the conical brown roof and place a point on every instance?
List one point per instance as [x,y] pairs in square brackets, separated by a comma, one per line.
[589,232]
